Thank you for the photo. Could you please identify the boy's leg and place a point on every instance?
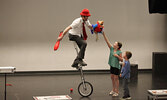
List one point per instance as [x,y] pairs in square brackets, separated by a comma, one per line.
[128,80]
[125,86]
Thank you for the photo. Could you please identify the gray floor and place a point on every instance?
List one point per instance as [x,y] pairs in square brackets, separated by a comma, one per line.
[25,86]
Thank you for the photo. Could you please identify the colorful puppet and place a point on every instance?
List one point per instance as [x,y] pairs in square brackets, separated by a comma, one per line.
[97,28]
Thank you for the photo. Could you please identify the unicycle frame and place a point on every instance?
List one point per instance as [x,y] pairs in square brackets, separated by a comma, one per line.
[82,76]
[80,67]
[83,82]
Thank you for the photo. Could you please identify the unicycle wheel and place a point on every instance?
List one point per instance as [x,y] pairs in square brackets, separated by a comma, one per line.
[85,89]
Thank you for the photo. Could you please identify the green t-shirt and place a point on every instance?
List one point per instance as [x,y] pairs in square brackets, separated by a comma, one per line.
[114,61]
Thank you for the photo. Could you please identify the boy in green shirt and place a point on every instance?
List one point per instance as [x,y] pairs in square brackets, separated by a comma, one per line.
[114,58]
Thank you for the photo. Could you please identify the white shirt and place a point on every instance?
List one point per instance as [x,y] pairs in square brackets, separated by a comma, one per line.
[77,28]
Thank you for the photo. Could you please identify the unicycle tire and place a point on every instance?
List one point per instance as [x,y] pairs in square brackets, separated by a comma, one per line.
[87,91]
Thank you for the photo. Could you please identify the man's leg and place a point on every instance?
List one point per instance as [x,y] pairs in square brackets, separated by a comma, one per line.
[82,45]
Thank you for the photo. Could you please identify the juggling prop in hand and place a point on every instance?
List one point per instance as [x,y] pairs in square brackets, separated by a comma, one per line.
[57,43]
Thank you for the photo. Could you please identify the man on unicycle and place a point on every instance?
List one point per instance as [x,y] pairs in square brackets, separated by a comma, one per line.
[77,33]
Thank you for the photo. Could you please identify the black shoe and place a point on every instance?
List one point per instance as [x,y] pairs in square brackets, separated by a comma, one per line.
[82,63]
[75,64]
[126,98]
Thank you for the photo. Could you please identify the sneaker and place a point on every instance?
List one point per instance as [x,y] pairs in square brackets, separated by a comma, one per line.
[125,98]
[111,93]
[75,64]
[128,97]
[115,94]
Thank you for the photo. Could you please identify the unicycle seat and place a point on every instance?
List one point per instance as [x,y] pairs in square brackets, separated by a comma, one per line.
[80,66]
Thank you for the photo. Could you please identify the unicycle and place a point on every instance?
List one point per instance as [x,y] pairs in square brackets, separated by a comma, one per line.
[85,88]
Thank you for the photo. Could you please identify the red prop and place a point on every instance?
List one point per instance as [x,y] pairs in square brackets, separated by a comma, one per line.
[57,43]
[8,84]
